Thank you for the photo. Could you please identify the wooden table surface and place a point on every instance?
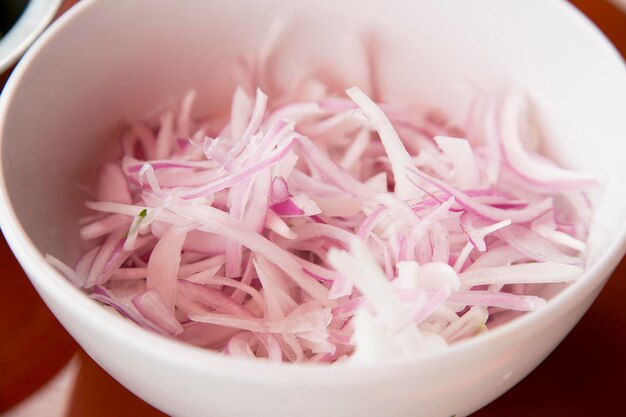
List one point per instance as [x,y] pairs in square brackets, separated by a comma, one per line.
[584,376]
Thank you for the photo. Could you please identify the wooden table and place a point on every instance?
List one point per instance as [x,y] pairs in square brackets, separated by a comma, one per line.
[583,377]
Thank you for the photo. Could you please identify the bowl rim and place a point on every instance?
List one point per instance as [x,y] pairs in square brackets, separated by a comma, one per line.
[31,23]
[184,355]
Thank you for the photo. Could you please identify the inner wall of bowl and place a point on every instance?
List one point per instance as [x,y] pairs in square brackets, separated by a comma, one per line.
[78,92]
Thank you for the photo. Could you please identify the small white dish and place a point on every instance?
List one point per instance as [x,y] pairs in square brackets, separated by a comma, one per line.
[33,20]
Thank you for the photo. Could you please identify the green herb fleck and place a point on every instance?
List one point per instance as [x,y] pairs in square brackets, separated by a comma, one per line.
[143,213]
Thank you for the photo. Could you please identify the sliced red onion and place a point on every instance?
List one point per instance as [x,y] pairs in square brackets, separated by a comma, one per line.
[151,306]
[109,248]
[279,191]
[278,302]
[471,323]
[532,273]
[294,323]
[231,180]
[126,308]
[288,230]
[534,246]
[206,335]
[476,235]
[331,171]
[533,168]
[523,215]
[211,297]
[103,227]
[83,266]
[399,157]
[184,122]
[423,308]
[66,270]
[218,222]
[465,172]
[164,140]
[146,137]
[499,299]
[163,266]
[112,185]
[274,223]
[300,205]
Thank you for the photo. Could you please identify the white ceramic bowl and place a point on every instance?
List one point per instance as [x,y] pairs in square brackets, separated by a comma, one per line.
[31,23]
[105,61]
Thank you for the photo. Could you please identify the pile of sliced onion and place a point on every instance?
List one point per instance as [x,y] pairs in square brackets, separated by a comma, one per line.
[320,227]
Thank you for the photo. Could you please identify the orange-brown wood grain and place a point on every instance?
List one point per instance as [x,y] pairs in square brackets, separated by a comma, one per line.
[33,345]
[96,394]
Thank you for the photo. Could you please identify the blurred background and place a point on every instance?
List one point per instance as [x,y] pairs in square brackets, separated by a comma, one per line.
[10,11]
[43,373]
